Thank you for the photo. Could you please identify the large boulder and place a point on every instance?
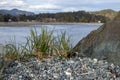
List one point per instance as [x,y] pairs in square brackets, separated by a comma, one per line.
[103,43]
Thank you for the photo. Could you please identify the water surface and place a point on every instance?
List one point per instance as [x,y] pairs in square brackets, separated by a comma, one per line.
[18,34]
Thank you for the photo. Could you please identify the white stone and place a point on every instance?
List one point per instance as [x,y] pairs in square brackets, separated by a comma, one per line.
[71,61]
[112,65]
[31,75]
[68,73]
[20,76]
[95,60]
[55,75]
[19,65]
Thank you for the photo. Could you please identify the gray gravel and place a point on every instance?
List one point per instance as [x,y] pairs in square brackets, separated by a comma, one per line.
[61,69]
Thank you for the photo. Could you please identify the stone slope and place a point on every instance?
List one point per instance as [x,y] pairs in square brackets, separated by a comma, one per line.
[103,43]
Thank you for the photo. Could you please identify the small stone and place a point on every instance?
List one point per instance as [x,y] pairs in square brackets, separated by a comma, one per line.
[118,78]
[95,60]
[20,77]
[55,75]
[112,65]
[31,75]
[68,73]
[19,65]
[27,71]
[71,78]
[71,62]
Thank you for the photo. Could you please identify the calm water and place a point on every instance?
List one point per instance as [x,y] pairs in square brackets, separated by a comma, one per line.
[76,31]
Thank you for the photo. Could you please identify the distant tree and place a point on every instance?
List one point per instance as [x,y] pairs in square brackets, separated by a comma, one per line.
[1,18]
[7,17]
[79,16]
[22,17]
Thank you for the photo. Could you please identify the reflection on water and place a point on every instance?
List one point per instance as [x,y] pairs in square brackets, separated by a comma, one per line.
[76,31]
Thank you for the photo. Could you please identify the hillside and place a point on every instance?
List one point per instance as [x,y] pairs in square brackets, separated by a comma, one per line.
[77,16]
[15,12]
[107,13]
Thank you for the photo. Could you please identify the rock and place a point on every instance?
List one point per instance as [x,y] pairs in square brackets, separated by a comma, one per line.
[71,61]
[103,43]
[95,60]
[91,76]
[55,75]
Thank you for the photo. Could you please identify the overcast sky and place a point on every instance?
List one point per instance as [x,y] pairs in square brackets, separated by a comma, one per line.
[60,5]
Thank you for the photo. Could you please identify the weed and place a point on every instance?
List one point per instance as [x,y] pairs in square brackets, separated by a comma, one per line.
[63,46]
[16,52]
[41,45]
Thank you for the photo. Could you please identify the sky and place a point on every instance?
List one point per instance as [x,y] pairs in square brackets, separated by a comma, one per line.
[53,6]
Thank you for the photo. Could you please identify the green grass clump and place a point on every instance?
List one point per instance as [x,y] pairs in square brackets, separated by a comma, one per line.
[16,52]
[40,46]
[63,47]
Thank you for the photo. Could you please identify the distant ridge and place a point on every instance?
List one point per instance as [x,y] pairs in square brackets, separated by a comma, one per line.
[109,13]
[15,12]
[75,16]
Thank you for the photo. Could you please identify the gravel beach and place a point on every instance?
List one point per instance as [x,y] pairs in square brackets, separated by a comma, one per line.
[61,69]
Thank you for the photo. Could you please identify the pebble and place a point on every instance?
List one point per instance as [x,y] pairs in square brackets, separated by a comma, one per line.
[55,75]
[95,60]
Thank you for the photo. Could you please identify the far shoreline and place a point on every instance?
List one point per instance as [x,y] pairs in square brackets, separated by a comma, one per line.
[28,24]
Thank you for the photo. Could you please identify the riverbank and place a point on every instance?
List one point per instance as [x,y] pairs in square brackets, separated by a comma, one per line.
[23,24]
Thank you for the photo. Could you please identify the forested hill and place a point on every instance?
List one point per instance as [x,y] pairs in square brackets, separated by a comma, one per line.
[79,16]
[109,13]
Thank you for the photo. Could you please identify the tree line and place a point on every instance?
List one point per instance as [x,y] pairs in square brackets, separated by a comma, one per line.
[80,16]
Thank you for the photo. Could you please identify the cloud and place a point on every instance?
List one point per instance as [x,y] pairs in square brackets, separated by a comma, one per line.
[11,4]
[3,3]
[30,5]
[59,5]
[98,1]
[79,8]
[44,6]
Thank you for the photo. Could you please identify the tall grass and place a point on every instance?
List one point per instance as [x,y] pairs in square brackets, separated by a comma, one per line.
[16,52]
[40,45]
[63,45]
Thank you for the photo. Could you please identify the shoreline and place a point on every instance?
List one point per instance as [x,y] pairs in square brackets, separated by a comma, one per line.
[27,24]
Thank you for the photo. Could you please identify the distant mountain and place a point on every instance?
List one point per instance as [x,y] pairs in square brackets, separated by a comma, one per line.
[109,13]
[15,12]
